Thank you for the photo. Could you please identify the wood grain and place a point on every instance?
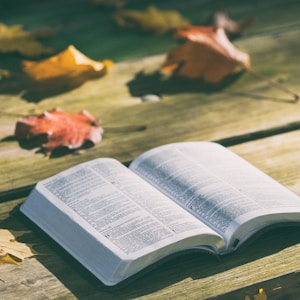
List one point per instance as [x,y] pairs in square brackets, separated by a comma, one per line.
[185,113]
[255,120]
[201,275]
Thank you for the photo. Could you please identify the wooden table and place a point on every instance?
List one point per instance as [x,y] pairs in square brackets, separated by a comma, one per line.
[256,121]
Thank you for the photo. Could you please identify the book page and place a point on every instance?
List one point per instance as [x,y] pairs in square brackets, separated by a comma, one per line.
[131,216]
[214,184]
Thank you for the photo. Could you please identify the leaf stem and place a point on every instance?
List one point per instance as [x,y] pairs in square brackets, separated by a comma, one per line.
[274,84]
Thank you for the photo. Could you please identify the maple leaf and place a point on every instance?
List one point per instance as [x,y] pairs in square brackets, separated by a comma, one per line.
[152,20]
[57,128]
[207,53]
[69,63]
[12,251]
[15,39]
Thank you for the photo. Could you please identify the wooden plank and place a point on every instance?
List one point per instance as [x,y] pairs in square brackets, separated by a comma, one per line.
[183,114]
[188,111]
[284,287]
[192,276]
[243,110]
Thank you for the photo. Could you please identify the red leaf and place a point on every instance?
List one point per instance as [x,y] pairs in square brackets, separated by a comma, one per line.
[59,129]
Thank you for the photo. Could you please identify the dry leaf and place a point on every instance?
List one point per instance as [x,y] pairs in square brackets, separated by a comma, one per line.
[15,39]
[152,20]
[261,295]
[12,251]
[56,128]
[231,27]
[70,63]
[207,53]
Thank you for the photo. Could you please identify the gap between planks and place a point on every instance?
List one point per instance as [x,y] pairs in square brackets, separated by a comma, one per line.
[24,191]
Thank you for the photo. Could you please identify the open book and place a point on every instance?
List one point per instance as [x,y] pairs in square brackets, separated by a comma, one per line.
[192,195]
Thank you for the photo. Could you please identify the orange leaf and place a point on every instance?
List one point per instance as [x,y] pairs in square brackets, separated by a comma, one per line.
[69,63]
[56,128]
[207,53]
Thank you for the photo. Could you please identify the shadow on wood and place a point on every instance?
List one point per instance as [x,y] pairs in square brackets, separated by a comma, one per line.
[195,265]
[153,83]
[33,91]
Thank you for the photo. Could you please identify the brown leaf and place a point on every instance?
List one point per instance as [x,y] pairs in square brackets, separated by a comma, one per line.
[12,251]
[15,39]
[152,20]
[69,63]
[207,53]
[56,128]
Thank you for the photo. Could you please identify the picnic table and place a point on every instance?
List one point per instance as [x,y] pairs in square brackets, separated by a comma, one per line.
[253,119]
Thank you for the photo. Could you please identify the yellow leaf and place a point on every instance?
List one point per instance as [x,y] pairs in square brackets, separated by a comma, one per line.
[261,295]
[12,251]
[7,259]
[15,39]
[152,19]
[69,63]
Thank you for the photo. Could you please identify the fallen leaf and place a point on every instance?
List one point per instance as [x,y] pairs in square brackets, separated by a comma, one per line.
[207,53]
[15,39]
[261,295]
[56,128]
[69,63]
[232,28]
[152,20]
[12,251]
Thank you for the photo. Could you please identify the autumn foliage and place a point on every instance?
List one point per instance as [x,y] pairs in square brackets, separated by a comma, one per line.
[69,63]
[151,20]
[207,53]
[15,39]
[57,128]
[11,251]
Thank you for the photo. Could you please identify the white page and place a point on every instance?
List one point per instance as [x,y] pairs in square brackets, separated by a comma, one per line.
[214,184]
[129,214]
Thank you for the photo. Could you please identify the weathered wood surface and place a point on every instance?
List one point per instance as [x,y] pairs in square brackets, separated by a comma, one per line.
[258,122]
[53,274]
[187,111]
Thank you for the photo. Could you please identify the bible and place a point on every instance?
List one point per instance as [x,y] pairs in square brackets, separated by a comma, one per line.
[118,220]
